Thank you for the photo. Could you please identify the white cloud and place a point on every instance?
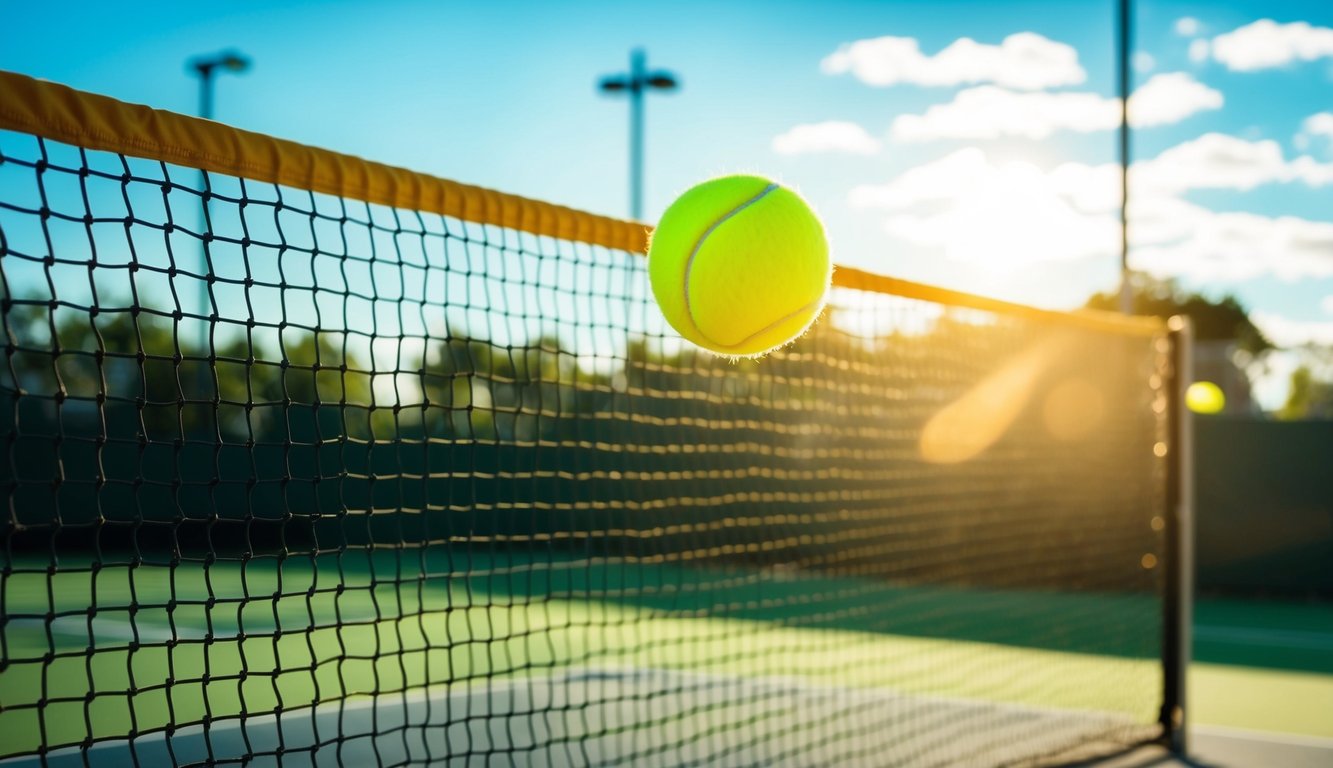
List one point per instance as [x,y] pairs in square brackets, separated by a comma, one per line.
[1285,332]
[1174,237]
[931,182]
[1091,188]
[968,208]
[1327,304]
[1025,60]
[1228,247]
[1265,44]
[1187,26]
[1219,161]
[1319,124]
[1211,161]
[1144,61]
[1310,171]
[972,210]
[1198,51]
[1161,220]
[1169,98]
[988,111]
[829,136]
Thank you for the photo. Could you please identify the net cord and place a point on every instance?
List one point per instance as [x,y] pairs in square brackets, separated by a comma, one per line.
[60,113]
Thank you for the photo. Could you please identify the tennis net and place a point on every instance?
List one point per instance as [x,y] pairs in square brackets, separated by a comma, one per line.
[312,461]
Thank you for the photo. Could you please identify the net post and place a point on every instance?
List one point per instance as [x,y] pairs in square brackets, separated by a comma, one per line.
[1179,536]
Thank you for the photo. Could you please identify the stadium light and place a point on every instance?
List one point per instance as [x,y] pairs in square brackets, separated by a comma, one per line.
[204,67]
[637,81]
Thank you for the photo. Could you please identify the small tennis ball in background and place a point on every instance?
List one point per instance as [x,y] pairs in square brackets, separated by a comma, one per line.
[1205,397]
[740,265]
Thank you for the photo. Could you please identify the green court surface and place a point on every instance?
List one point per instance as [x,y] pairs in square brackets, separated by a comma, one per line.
[260,638]
[1295,635]
[1263,665]
[1250,698]
[306,635]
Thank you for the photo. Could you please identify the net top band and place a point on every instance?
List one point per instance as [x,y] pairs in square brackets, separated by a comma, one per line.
[96,122]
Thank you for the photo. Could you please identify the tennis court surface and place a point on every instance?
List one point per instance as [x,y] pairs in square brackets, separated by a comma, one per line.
[311,461]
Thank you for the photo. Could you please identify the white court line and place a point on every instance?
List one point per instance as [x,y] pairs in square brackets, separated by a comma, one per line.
[103,629]
[479,696]
[159,632]
[1274,737]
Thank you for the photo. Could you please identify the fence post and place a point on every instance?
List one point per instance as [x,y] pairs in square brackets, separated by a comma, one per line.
[1179,534]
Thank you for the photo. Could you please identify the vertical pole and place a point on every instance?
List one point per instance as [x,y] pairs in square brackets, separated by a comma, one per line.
[636,86]
[1179,598]
[206,92]
[1124,44]
[203,377]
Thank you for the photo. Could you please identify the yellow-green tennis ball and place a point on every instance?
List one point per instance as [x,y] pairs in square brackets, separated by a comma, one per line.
[1205,397]
[740,265]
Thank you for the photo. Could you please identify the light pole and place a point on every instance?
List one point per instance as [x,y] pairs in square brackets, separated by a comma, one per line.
[635,83]
[205,67]
[1124,43]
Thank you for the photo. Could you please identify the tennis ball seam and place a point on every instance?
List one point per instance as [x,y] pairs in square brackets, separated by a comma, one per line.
[803,310]
[689,266]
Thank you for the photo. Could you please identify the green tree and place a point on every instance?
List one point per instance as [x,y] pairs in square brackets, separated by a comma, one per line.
[1308,397]
[478,389]
[454,389]
[1222,320]
[312,379]
[137,364]
[89,361]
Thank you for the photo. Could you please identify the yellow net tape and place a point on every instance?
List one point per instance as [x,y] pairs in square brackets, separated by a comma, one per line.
[97,122]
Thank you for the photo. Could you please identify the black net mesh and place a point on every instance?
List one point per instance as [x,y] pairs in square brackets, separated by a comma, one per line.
[293,479]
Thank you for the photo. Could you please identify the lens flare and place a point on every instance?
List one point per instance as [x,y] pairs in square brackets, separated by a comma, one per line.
[976,420]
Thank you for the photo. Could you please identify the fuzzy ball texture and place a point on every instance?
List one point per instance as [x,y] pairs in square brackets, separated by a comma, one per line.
[740,265]
[1205,397]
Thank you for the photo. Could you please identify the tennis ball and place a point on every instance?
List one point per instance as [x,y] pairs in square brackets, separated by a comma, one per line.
[1205,397]
[739,265]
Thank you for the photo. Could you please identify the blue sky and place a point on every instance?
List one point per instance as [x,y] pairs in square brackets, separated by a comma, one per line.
[1015,205]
